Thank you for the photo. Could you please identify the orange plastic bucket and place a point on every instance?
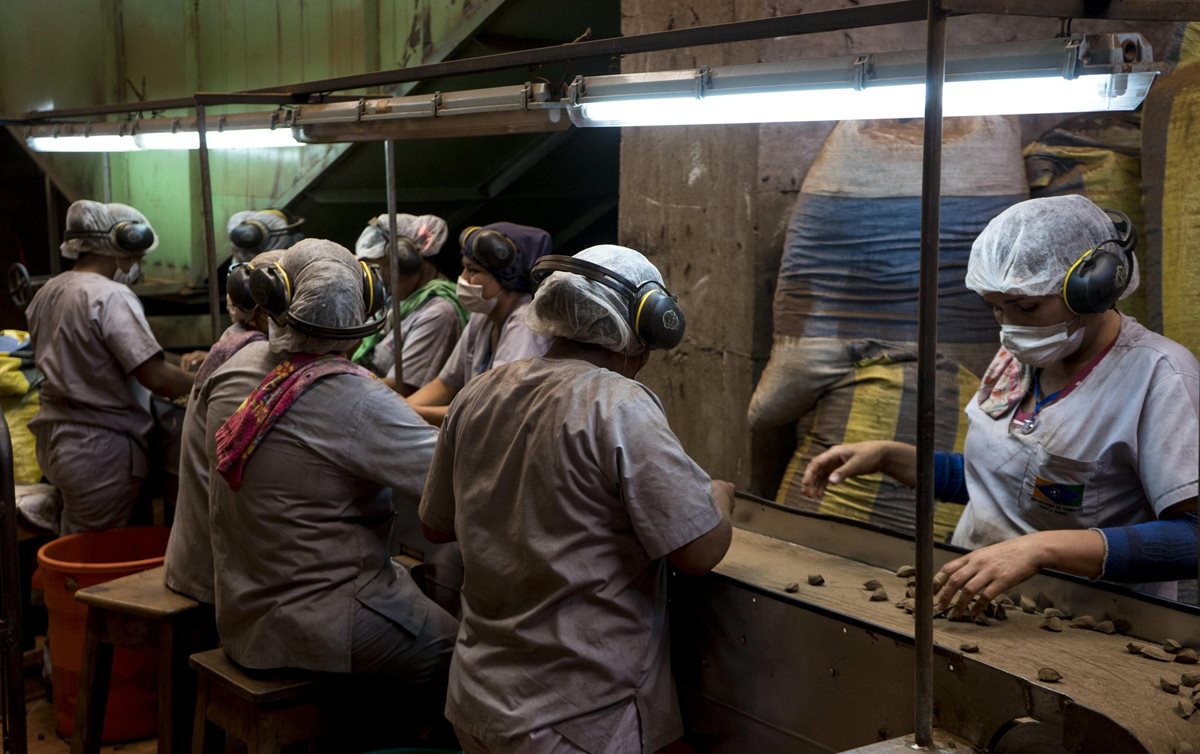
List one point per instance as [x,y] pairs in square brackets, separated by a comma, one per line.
[81,560]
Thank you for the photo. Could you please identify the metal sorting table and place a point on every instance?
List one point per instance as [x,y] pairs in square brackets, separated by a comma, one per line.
[832,670]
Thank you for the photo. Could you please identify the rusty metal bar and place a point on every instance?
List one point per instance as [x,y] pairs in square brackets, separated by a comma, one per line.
[210,243]
[389,157]
[931,198]
[1122,10]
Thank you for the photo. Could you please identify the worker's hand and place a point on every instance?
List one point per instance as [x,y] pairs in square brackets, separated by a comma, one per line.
[842,462]
[987,572]
[190,362]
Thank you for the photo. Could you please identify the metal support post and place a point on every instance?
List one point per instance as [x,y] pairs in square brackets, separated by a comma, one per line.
[389,157]
[931,194]
[52,228]
[210,244]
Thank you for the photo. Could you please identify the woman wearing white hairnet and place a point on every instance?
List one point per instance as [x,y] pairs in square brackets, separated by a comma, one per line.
[431,319]
[254,231]
[563,644]
[495,285]
[92,342]
[308,459]
[1081,452]
[189,563]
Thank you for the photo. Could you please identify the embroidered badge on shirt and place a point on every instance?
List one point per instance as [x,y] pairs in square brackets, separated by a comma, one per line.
[1060,498]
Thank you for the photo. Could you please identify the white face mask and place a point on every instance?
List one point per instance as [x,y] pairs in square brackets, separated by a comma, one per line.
[130,276]
[471,297]
[1040,346]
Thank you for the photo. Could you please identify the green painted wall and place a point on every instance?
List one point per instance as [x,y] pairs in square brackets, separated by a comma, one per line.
[74,53]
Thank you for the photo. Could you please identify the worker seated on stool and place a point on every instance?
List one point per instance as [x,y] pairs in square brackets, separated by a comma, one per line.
[568,494]
[300,511]
[1081,451]
[495,284]
[189,564]
[100,361]
[431,319]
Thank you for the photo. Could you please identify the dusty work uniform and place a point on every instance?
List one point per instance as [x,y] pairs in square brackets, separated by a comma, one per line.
[304,577]
[89,335]
[189,564]
[564,636]
[429,335]
[1120,448]
[474,355]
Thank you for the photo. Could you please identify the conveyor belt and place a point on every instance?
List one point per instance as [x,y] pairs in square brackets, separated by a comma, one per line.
[1098,672]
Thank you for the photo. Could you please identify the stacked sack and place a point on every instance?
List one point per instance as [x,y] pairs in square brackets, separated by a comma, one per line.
[843,363]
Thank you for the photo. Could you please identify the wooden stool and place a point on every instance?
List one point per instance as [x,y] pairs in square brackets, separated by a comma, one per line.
[139,612]
[266,713]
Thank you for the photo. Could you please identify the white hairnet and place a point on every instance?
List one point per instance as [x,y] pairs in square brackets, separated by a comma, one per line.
[326,290]
[1028,248]
[238,314]
[86,214]
[572,306]
[428,232]
[273,220]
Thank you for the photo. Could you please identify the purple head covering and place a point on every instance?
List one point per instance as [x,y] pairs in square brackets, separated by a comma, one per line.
[532,244]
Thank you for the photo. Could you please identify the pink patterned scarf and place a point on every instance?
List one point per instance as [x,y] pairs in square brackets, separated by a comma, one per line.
[1005,384]
[242,432]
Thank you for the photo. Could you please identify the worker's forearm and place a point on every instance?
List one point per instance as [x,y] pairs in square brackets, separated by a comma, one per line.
[1077,551]
[900,463]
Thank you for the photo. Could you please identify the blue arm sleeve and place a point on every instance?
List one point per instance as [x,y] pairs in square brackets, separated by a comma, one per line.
[949,479]
[1163,550]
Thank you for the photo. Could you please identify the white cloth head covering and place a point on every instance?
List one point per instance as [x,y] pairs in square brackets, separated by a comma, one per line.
[1028,248]
[86,214]
[326,290]
[238,314]
[274,220]
[428,232]
[572,306]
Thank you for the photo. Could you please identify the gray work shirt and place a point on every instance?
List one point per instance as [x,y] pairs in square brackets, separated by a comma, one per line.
[429,335]
[473,355]
[189,564]
[565,488]
[305,538]
[89,334]
[1119,449]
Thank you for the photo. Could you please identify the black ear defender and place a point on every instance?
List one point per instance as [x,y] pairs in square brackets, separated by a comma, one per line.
[271,288]
[238,286]
[252,235]
[128,235]
[654,314]
[491,248]
[1100,275]
[408,256]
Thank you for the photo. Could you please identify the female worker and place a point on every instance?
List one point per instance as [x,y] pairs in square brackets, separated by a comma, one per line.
[569,493]
[92,343]
[1081,451]
[431,319]
[495,285]
[307,461]
[189,563]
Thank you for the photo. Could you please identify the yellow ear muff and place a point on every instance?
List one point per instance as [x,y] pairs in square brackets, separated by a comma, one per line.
[287,282]
[637,318]
[1067,278]
[368,285]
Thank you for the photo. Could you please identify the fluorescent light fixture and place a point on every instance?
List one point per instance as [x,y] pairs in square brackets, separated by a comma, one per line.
[236,131]
[527,108]
[96,143]
[1073,74]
